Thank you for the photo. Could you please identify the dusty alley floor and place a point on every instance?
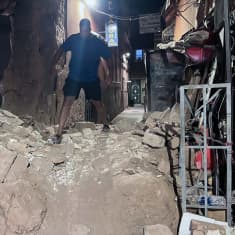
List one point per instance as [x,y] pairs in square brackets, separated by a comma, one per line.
[94,183]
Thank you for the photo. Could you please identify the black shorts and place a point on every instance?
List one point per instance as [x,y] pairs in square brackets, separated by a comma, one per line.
[92,89]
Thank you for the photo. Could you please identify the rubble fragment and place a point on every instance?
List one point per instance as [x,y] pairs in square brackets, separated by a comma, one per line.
[157,230]
[154,141]
[7,159]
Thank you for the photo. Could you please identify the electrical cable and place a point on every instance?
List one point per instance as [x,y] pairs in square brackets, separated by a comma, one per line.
[121,18]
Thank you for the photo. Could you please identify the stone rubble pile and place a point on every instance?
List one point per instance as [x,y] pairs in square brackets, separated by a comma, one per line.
[38,181]
[161,129]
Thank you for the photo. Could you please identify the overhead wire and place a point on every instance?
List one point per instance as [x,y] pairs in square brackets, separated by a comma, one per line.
[116,17]
[121,18]
[188,4]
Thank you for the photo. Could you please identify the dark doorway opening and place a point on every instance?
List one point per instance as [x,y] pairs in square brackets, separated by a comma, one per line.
[5,49]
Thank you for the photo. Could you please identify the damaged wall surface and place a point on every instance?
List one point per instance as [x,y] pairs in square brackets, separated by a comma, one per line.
[164,78]
[38,30]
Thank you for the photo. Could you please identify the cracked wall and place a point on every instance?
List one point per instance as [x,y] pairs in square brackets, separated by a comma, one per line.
[38,30]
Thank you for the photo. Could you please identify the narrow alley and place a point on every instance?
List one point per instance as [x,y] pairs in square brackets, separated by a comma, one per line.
[117,117]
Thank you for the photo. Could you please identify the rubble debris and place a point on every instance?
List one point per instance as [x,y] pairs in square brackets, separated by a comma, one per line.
[154,141]
[124,125]
[16,146]
[152,119]
[174,142]
[58,160]
[141,126]
[79,126]
[169,116]
[7,160]
[175,114]
[87,132]
[24,208]
[158,131]
[87,167]
[79,230]
[158,229]
[164,166]
[138,132]
[18,169]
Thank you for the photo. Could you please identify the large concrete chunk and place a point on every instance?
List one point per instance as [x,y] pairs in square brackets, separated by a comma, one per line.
[157,230]
[18,169]
[83,125]
[16,146]
[154,141]
[175,114]
[9,118]
[125,125]
[7,158]
[24,207]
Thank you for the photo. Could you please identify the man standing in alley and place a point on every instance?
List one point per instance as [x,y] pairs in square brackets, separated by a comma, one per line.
[88,52]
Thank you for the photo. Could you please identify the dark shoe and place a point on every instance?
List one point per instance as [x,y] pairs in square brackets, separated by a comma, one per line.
[56,139]
[106,128]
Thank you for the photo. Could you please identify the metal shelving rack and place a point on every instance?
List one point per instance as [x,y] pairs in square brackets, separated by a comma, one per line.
[227,147]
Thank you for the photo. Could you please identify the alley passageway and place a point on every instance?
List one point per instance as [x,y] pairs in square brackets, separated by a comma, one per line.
[116,117]
[94,183]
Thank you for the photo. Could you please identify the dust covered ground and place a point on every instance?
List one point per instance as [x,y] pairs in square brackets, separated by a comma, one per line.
[94,183]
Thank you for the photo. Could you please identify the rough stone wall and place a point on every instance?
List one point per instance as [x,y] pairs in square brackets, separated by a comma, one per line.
[164,78]
[116,96]
[38,30]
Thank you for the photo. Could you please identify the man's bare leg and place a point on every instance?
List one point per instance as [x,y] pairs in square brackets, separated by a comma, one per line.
[65,111]
[101,112]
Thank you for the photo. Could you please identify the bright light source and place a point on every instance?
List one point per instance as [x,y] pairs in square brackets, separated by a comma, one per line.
[91,3]
[81,9]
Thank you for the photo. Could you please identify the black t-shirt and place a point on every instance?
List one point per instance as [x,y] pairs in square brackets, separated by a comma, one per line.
[86,54]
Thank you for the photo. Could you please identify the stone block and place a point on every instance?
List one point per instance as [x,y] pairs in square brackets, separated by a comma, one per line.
[84,125]
[175,142]
[158,229]
[154,141]
[16,146]
[164,166]
[138,132]
[175,114]
[18,169]
[24,206]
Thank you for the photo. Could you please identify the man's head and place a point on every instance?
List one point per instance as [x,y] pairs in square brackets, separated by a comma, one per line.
[85,28]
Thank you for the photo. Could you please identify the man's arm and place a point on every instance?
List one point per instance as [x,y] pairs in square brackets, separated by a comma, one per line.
[56,58]
[66,46]
[107,77]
